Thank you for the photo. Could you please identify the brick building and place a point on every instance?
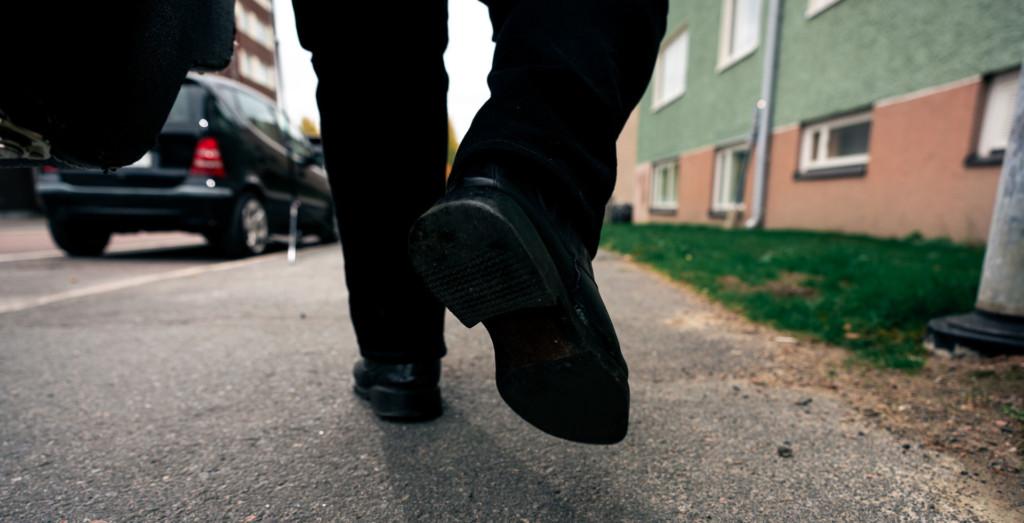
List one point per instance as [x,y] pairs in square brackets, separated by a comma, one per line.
[890,117]
[255,59]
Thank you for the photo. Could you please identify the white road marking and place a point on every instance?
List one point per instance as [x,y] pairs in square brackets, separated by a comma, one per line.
[132,248]
[30,255]
[39,301]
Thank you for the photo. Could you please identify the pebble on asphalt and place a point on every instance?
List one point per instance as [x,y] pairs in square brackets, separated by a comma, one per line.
[785,452]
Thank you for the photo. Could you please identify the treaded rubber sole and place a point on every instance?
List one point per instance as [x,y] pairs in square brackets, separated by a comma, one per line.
[484,260]
[402,404]
[481,267]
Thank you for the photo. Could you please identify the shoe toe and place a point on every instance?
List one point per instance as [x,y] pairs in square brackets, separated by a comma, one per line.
[574,398]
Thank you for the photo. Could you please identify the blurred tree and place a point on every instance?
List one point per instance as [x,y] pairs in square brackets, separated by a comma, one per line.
[309,128]
[453,145]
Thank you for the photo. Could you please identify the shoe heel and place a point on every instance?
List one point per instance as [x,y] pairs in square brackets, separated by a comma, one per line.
[402,404]
[482,258]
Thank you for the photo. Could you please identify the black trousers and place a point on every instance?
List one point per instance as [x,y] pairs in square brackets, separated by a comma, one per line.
[565,76]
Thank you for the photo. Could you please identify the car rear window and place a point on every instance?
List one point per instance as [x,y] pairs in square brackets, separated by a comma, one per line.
[184,110]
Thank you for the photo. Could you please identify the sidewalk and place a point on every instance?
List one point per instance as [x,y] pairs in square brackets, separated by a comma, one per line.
[228,395]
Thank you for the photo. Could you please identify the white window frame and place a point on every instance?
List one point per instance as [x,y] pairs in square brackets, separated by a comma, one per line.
[997,117]
[240,17]
[807,142]
[242,58]
[270,76]
[266,35]
[722,185]
[726,56]
[814,7]
[657,183]
[248,23]
[659,99]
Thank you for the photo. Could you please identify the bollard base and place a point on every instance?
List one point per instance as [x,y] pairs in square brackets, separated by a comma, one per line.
[982,332]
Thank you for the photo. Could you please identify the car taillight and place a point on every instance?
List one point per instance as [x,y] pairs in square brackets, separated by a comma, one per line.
[49,169]
[207,161]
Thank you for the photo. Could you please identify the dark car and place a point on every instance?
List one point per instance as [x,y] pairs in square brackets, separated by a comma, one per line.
[119,70]
[226,164]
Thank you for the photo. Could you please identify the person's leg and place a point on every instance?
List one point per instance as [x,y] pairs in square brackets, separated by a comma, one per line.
[566,75]
[511,242]
[382,96]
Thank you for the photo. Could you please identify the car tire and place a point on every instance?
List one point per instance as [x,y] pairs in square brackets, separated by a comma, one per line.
[328,232]
[78,239]
[214,238]
[248,233]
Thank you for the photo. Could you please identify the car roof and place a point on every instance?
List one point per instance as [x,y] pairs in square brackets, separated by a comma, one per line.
[211,79]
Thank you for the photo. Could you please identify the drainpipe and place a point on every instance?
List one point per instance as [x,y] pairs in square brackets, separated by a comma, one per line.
[279,91]
[293,209]
[766,106]
[996,326]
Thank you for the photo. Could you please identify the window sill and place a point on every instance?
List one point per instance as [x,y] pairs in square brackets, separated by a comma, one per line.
[656,107]
[664,211]
[721,214]
[973,160]
[827,173]
[811,13]
[725,64]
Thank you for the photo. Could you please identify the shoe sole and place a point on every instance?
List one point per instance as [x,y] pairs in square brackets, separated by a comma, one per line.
[485,261]
[395,404]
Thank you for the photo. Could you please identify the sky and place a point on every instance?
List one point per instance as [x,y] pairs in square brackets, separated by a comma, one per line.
[468,59]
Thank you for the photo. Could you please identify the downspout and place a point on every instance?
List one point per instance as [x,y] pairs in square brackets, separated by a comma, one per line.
[766,110]
[293,209]
[279,91]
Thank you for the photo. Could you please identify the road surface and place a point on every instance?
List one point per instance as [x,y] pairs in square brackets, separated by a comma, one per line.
[165,384]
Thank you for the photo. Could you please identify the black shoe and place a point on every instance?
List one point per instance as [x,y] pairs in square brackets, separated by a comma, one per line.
[400,391]
[494,252]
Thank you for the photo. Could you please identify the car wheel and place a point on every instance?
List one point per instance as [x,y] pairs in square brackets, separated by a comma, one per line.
[214,238]
[78,239]
[328,232]
[249,231]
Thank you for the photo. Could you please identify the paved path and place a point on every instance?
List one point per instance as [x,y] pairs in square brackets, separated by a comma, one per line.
[225,394]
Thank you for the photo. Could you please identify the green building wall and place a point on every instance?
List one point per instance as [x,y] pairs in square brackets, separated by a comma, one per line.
[844,58]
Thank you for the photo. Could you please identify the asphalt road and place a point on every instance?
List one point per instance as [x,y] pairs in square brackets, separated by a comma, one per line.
[176,386]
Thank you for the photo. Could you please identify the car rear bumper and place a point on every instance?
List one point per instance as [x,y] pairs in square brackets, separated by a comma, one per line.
[188,207]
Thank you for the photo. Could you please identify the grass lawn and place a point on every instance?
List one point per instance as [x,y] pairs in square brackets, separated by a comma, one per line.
[871,295]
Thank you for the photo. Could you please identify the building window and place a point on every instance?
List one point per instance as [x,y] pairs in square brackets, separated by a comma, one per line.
[248,22]
[997,120]
[260,31]
[269,77]
[663,187]
[730,178]
[740,32]
[838,146]
[816,6]
[670,72]
[242,58]
[251,68]
[240,17]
